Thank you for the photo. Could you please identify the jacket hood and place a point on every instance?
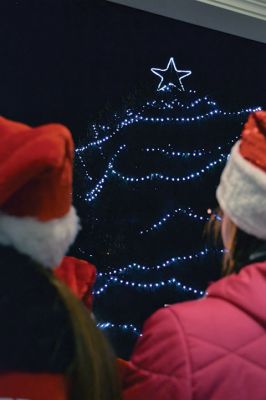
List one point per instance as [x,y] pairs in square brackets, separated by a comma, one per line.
[246,290]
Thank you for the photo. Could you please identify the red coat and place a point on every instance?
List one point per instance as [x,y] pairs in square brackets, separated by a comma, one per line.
[209,349]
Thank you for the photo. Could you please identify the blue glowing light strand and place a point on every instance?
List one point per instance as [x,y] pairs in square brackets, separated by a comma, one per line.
[196,153]
[172,179]
[178,75]
[96,132]
[185,211]
[164,264]
[177,104]
[188,119]
[126,328]
[114,280]
[93,194]
[174,153]
[139,118]
[84,167]
[172,214]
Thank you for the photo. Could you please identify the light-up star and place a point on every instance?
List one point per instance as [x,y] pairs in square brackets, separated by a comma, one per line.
[170,76]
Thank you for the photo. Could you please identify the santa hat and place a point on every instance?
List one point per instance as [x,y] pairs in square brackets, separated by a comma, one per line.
[36,213]
[242,189]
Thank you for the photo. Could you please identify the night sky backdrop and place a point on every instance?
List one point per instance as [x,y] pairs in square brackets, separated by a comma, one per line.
[67,60]
[76,62]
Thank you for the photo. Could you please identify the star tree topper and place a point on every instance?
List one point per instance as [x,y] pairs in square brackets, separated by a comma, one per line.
[170,76]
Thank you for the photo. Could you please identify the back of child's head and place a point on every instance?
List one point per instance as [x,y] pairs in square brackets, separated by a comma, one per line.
[50,347]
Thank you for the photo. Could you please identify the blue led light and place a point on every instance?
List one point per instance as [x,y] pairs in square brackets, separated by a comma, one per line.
[93,194]
[85,168]
[177,105]
[139,118]
[185,211]
[175,179]
[164,264]
[196,153]
[126,328]
[114,280]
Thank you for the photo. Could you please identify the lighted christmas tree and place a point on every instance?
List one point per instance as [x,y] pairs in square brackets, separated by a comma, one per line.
[146,182]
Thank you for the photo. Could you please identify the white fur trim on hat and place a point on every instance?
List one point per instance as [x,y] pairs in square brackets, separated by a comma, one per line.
[45,242]
[242,194]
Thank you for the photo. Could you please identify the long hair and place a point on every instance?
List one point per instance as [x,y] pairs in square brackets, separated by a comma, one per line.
[57,334]
[242,247]
[92,374]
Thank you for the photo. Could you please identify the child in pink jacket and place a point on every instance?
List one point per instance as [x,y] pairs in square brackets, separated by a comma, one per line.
[215,348]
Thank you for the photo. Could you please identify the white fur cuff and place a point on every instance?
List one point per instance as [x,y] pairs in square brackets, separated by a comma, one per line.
[242,194]
[45,242]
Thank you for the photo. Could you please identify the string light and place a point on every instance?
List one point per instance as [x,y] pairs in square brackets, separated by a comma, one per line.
[127,328]
[139,118]
[162,177]
[171,153]
[164,264]
[114,280]
[93,194]
[176,104]
[186,211]
[84,166]
[196,153]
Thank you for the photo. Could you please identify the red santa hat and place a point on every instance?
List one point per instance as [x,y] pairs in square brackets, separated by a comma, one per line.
[242,189]
[36,213]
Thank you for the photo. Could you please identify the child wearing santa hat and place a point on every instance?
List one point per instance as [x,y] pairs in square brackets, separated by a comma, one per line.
[215,348]
[50,348]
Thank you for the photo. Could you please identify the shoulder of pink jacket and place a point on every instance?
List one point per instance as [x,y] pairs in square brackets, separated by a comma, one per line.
[159,367]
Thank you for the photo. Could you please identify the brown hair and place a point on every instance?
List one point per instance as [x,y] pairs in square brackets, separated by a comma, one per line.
[92,374]
[242,246]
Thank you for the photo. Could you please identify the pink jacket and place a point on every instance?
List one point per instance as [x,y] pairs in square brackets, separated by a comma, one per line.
[209,349]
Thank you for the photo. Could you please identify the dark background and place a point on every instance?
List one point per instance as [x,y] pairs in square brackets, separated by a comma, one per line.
[66,60]
[79,61]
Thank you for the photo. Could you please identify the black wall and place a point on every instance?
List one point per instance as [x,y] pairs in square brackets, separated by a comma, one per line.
[66,60]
